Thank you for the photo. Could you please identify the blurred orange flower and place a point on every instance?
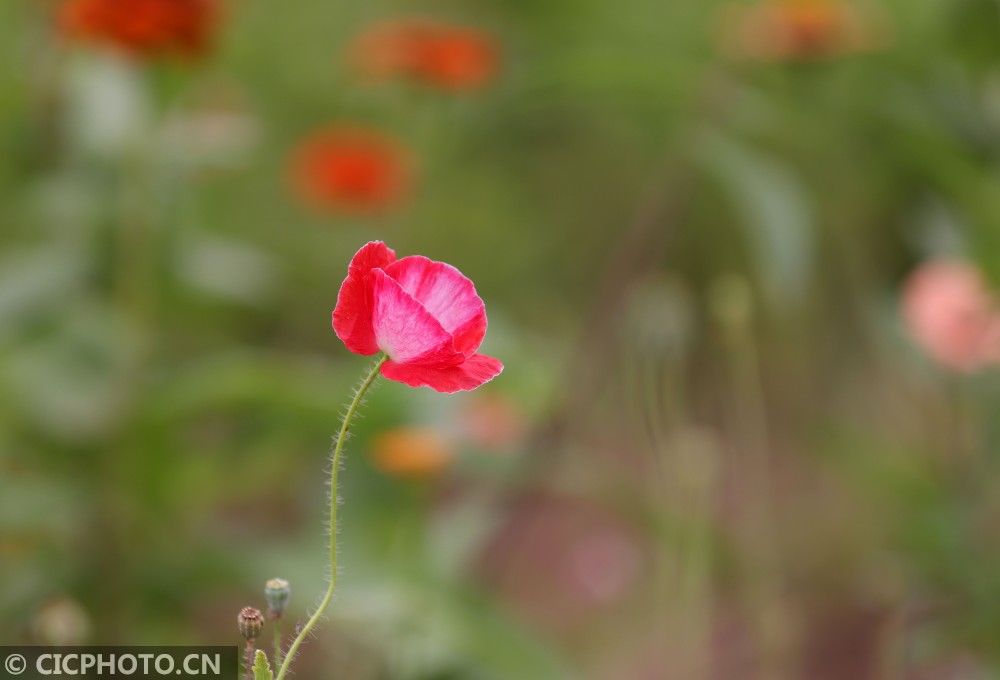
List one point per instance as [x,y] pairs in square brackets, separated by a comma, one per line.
[952,314]
[144,27]
[441,55]
[349,169]
[411,452]
[795,29]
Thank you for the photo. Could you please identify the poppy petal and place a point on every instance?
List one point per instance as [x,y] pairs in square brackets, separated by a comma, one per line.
[352,318]
[447,294]
[405,330]
[473,372]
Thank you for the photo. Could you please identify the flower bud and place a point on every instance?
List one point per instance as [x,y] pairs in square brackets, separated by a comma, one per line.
[250,622]
[276,592]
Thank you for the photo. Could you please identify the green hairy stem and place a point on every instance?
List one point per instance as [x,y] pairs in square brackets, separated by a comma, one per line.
[338,448]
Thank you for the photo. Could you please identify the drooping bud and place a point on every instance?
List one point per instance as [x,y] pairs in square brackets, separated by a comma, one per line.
[250,622]
[276,592]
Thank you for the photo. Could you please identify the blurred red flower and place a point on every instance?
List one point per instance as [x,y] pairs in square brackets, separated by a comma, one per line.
[795,29]
[349,169]
[449,57]
[144,27]
[952,315]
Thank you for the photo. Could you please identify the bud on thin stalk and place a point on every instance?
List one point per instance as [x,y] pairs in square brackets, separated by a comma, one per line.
[250,623]
[277,592]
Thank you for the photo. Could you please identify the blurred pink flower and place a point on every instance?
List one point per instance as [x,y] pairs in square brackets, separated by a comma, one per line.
[425,315]
[557,559]
[603,564]
[952,315]
[493,421]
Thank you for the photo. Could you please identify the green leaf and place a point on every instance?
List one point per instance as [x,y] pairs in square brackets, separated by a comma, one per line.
[261,668]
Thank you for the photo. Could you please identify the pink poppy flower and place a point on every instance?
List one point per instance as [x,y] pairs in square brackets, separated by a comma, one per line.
[425,315]
[951,314]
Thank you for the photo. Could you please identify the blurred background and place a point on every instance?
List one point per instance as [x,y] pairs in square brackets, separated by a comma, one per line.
[737,259]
